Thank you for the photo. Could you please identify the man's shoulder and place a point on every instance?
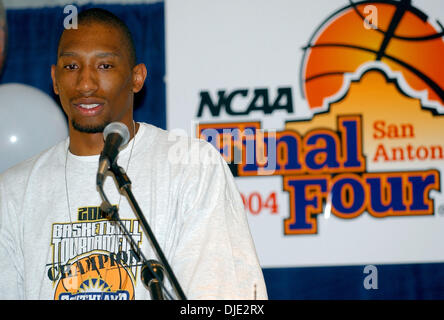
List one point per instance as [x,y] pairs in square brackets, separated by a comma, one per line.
[21,171]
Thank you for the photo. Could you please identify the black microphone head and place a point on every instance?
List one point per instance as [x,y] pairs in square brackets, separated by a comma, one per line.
[119,128]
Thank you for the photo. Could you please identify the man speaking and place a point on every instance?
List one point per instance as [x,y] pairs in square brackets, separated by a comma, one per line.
[54,240]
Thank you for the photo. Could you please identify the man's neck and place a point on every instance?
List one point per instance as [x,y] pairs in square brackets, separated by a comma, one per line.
[89,144]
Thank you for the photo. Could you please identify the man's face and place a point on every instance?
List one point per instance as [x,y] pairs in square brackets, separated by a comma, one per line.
[94,78]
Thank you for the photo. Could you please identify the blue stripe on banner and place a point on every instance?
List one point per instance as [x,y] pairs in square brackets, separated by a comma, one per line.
[394,281]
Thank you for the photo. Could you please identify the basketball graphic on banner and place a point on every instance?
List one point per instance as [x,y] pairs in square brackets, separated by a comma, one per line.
[403,39]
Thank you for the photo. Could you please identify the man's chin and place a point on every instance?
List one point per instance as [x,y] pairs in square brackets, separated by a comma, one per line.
[89,128]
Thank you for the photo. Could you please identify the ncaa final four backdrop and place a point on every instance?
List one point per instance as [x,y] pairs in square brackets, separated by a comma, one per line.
[330,115]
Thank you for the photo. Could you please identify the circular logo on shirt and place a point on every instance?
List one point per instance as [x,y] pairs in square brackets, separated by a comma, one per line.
[96,276]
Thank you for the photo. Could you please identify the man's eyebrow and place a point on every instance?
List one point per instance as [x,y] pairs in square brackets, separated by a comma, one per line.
[107,54]
[67,54]
[99,54]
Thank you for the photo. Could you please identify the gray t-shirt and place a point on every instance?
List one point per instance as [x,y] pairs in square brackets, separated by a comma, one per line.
[54,243]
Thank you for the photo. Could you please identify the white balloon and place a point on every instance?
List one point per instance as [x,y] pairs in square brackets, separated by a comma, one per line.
[30,122]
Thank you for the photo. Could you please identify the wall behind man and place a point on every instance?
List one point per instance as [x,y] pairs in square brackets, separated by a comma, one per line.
[35,26]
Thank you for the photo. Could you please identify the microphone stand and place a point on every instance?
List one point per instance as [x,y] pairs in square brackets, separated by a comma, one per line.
[124,184]
[151,272]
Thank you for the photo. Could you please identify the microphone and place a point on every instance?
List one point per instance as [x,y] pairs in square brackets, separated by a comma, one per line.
[116,134]
[151,281]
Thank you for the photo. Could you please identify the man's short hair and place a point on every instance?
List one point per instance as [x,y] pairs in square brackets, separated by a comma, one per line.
[103,16]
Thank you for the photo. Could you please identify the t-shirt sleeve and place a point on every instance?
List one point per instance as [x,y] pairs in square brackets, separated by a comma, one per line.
[11,279]
[215,257]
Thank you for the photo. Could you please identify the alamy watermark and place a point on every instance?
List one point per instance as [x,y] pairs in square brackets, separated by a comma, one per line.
[371,280]
[70,21]
[371,18]
[247,147]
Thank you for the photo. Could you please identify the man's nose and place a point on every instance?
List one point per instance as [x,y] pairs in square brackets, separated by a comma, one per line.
[87,81]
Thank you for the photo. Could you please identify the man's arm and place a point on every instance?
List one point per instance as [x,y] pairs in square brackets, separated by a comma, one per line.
[215,257]
[11,280]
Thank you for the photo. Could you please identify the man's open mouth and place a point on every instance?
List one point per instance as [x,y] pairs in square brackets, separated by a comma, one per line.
[89,109]
[89,106]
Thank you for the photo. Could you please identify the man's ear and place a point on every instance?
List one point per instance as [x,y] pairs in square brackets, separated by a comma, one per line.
[139,76]
[54,84]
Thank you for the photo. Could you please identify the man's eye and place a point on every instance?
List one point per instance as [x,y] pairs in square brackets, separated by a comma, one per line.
[70,66]
[105,66]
